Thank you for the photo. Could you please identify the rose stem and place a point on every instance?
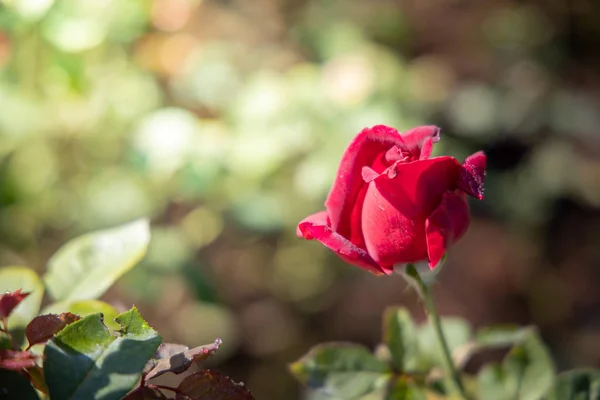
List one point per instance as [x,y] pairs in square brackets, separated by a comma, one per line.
[434,320]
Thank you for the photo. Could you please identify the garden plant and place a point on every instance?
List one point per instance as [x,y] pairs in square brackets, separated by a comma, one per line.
[393,208]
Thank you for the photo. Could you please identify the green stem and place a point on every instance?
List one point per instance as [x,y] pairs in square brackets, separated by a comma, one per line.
[434,319]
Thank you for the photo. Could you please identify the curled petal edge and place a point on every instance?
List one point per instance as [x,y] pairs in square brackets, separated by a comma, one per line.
[472,175]
[345,249]
[420,140]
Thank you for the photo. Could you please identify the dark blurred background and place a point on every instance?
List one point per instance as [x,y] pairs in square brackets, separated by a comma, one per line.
[224,121]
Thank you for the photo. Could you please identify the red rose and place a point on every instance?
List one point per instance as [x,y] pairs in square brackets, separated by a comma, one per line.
[391,203]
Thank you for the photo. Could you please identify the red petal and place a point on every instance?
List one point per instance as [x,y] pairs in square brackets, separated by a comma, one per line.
[347,251]
[472,175]
[319,218]
[393,229]
[420,140]
[9,301]
[368,174]
[367,147]
[396,206]
[446,225]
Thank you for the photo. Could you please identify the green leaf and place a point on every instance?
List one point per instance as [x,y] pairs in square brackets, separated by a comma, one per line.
[341,370]
[400,389]
[13,278]
[495,383]
[400,336]
[88,265]
[15,386]
[582,384]
[457,332]
[526,373]
[5,343]
[83,308]
[501,336]
[86,361]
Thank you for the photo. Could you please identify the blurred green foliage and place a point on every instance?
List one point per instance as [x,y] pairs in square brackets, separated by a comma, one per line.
[224,122]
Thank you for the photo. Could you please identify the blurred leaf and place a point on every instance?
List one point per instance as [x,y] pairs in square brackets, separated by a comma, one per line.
[177,358]
[5,343]
[85,360]
[501,336]
[9,300]
[490,338]
[88,265]
[16,359]
[14,278]
[400,336]
[583,384]
[496,384]
[43,327]
[457,332]
[341,369]
[526,373]
[211,385]
[15,386]
[83,308]
[400,389]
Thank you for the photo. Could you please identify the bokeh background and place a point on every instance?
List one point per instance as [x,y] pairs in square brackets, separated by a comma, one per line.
[224,121]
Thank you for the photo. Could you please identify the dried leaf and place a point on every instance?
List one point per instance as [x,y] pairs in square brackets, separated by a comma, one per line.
[42,328]
[177,358]
[16,360]
[9,301]
[211,385]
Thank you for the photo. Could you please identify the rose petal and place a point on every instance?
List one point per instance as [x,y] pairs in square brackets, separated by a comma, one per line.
[368,174]
[395,153]
[345,249]
[422,182]
[393,228]
[420,140]
[426,149]
[397,205]
[367,148]
[319,218]
[446,225]
[472,175]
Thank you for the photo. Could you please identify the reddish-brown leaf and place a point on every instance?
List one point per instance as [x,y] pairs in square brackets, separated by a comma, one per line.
[177,358]
[16,360]
[146,393]
[211,385]
[9,301]
[43,327]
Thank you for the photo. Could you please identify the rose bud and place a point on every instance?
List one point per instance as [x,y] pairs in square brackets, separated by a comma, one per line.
[391,203]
